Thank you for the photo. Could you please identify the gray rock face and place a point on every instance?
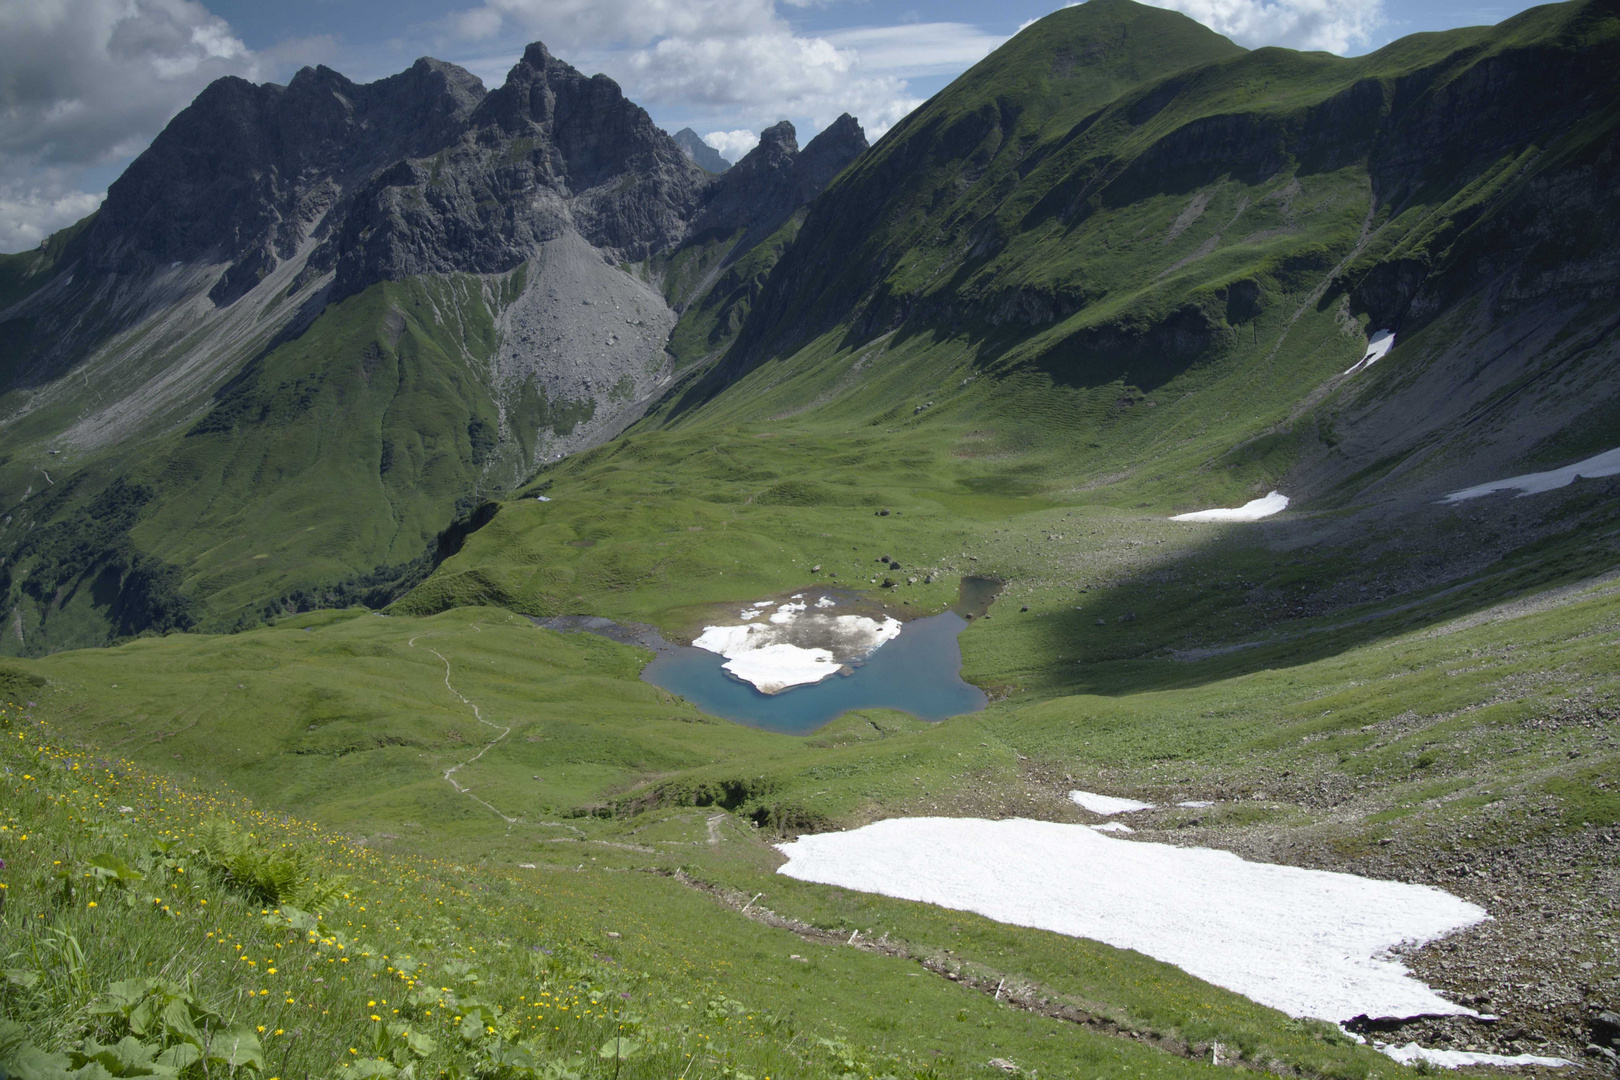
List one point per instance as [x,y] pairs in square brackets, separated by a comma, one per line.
[246,172]
[702,154]
[548,153]
[260,206]
[776,178]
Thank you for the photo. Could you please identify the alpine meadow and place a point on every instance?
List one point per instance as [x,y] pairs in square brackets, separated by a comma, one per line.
[1116,577]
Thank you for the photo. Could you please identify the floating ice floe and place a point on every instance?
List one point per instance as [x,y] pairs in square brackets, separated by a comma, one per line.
[1308,942]
[1378,347]
[1600,465]
[792,648]
[1107,805]
[1412,1053]
[1253,510]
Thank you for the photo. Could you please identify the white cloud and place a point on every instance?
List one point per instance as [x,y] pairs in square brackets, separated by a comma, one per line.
[90,82]
[567,26]
[1333,25]
[29,215]
[727,64]
[1337,26]
[733,145]
[916,49]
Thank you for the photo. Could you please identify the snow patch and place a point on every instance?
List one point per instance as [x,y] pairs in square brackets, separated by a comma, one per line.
[774,668]
[1308,942]
[1412,1053]
[792,648]
[1378,347]
[1253,510]
[1196,804]
[1113,827]
[1107,805]
[786,613]
[826,602]
[1600,465]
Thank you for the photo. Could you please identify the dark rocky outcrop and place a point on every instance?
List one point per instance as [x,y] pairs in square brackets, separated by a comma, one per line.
[245,172]
[776,177]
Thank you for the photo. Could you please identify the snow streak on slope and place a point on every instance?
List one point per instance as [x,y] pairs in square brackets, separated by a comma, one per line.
[1595,467]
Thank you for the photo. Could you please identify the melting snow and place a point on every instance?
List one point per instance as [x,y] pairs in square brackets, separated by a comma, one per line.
[1604,464]
[1197,804]
[1308,942]
[1107,805]
[1378,347]
[1113,826]
[826,602]
[789,650]
[1249,511]
[1412,1053]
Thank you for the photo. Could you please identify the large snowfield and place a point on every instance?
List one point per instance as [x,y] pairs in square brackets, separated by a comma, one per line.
[1307,942]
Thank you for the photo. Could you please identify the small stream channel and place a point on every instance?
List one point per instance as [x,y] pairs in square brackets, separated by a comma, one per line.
[919,672]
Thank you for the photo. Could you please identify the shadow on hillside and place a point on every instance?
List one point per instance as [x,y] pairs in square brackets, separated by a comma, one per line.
[1295,591]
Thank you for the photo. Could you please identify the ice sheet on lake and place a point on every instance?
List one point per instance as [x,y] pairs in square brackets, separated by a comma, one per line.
[1600,465]
[1308,942]
[774,668]
[1106,804]
[792,648]
[1378,347]
[1253,510]
[1412,1053]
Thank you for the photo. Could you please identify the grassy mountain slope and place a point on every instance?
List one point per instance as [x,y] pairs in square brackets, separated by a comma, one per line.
[1461,742]
[1134,300]
[331,460]
[1217,240]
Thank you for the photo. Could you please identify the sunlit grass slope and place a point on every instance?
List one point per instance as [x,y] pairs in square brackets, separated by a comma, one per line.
[137,938]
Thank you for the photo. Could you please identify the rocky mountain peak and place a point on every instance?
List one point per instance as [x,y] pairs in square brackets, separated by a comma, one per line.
[702,154]
[776,178]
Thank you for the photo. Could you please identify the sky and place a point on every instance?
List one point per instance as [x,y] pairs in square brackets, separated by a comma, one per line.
[86,84]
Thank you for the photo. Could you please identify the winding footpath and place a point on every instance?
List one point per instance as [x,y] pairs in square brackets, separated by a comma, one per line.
[449,774]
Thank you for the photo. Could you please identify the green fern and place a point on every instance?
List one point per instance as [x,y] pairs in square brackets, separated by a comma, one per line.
[274,875]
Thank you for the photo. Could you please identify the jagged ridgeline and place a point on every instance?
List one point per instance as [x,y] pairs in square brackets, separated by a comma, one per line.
[314,325]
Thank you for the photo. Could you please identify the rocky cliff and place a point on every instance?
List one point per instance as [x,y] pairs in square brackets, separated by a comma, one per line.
[368,305]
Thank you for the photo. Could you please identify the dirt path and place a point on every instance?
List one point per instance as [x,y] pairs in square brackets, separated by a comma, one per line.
[449,774]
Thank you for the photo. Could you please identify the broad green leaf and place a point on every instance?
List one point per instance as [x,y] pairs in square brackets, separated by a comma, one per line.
[179,1057]
[621,1049]
[237,1047]
[113,866]
[32,1063]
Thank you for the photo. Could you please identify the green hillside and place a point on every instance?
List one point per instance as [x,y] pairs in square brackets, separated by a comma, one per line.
[1120,270]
